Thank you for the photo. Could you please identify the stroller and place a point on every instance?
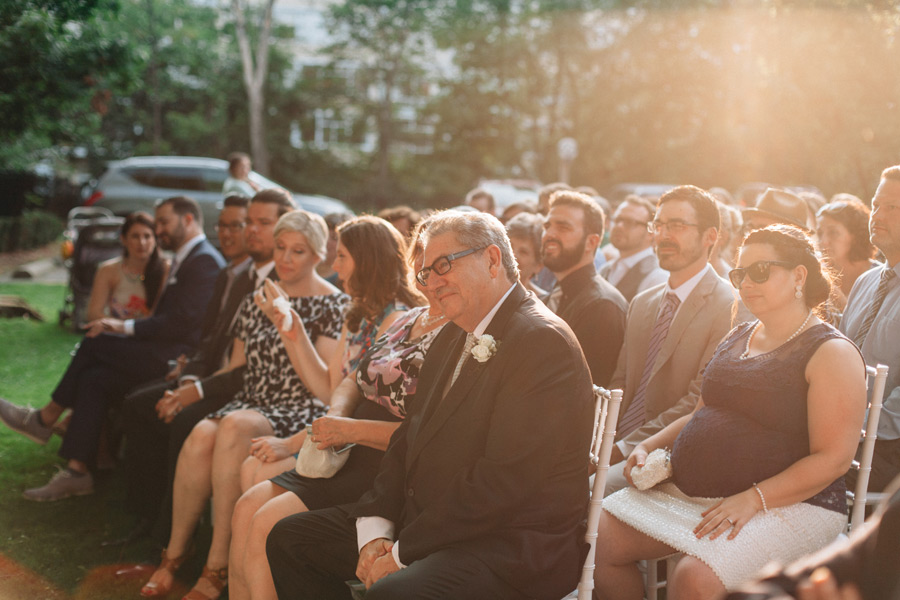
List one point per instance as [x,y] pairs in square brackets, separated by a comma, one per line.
[92,234]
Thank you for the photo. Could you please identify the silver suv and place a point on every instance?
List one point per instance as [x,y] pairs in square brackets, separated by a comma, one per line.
[138,183]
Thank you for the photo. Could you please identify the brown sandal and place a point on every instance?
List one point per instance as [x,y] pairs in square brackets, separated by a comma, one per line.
[151,589]
[218,578]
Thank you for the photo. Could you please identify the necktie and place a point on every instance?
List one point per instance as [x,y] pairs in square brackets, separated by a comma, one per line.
[555,298]
[880,294]
[229,281]
[467,348]
[634,414]
[254,278]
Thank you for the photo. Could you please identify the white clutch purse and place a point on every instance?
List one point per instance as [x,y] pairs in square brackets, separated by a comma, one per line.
[657,468]
[320,464]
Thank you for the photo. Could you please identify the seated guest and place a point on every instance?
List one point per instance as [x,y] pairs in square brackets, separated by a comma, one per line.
[153,430]
[466,504]
[277,399]
[725,250]
[116,355]
[366,408]
[517,208]
[525,231]
[590,305]
[872,321]
[333,220]
[482,201]
[776,206]
[861,568]
[128,287]
[757,469]
[636,268]
[273,399]
[687,317]
[403,218]
[843,234]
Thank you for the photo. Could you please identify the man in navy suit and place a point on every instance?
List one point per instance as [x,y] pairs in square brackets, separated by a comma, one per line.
[483,489]
[116,355]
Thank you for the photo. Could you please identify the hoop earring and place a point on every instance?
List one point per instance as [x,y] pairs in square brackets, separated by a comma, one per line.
[799,291]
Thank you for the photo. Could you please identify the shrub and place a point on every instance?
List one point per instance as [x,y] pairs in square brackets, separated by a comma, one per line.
[33,228]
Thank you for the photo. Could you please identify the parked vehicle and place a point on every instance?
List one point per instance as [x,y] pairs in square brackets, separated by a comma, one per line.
[138,183]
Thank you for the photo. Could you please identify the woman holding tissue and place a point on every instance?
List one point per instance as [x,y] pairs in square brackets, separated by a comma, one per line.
[757,469]
[274,400]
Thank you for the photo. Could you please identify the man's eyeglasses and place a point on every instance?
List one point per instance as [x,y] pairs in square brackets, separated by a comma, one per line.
[231,227]
[758,272]
[443,264]
[629,223]
[674,226]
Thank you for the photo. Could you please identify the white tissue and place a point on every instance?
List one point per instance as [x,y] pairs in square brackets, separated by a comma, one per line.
[281,305]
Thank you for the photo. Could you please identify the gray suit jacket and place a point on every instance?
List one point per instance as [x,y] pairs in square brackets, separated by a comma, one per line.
[700,324]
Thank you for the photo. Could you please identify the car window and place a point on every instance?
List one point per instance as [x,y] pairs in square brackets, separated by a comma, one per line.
[213,179]
[175,178]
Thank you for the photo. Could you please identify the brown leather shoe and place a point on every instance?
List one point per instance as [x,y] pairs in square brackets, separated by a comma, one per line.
[218,578]
[151,589]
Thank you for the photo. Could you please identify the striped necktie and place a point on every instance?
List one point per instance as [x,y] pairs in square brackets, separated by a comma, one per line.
[634,414]
[880,294]
[555,298]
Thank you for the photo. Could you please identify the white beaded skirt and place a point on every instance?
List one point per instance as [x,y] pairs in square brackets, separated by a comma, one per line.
[782,534]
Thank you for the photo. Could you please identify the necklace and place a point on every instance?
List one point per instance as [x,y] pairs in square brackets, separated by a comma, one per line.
[428,319]
[792,336]
[133,277]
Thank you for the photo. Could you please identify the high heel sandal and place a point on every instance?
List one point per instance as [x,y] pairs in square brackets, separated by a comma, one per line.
[152,589]
[218,578]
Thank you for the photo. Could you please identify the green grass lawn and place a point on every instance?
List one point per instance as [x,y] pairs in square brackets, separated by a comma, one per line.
[61,540]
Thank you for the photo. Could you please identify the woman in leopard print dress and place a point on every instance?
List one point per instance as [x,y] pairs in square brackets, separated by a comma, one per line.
[273,400]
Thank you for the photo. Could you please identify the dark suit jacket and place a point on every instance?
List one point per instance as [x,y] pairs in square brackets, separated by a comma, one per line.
[631,281]
[595,310]
[215,337]
[497,467]
[176,322]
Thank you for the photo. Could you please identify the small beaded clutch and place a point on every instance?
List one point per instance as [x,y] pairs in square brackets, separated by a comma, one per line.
[656,469]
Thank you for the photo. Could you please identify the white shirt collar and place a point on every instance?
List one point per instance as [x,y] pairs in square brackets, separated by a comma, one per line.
[480,329]
[263,271]
[634,259]
[684,290]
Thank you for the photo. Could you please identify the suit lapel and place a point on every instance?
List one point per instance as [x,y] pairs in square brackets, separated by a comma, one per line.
[686,314]
[439,409]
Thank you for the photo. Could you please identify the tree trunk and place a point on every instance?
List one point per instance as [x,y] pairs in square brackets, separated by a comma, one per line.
[255,79]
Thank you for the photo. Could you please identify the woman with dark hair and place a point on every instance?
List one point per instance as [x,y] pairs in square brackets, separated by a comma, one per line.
[757,470]
[843,231]
[128,287]
[366,409]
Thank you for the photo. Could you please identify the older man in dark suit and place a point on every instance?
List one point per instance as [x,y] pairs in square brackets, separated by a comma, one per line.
[483,489]
[117,355]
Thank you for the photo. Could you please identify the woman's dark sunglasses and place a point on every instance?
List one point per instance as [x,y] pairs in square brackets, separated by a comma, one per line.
[758,272]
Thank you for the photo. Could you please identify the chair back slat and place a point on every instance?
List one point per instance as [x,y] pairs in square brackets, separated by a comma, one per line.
[606,415]
[877,378]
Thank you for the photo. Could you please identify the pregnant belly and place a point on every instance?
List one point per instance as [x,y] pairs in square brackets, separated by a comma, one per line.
[721,452]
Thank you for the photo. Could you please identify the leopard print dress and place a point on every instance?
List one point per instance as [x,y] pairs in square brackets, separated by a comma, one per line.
[271,385]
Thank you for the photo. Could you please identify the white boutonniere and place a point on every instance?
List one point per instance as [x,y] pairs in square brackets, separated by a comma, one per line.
[485,348]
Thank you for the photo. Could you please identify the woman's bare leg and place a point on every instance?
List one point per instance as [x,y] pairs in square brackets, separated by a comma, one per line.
[693,579]
[192,489]
[247,505]
[256,565]
[619,547]
[232,445]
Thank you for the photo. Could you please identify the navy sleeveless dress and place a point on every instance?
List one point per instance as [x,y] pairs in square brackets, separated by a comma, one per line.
[753,426]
